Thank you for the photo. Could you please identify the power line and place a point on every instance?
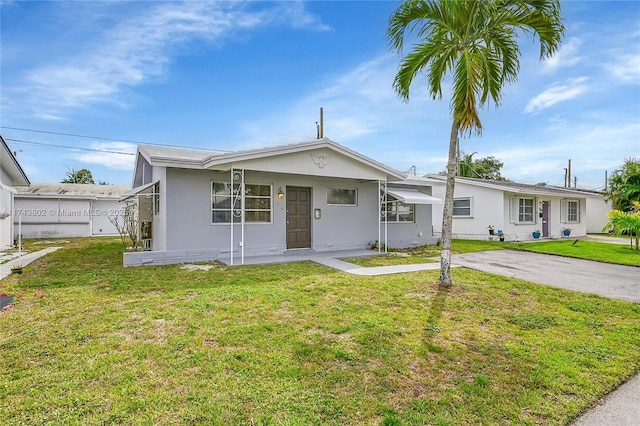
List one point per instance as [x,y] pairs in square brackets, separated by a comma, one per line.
[75,135]
[106,151]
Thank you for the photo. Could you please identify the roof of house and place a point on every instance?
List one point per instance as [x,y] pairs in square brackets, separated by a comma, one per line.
[200,159]
[11,166]
[516,187]
[71,190]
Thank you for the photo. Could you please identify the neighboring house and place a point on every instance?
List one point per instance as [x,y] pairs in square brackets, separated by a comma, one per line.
[11,174]
[65,210]
[515,208]
[315,195]
[597,208]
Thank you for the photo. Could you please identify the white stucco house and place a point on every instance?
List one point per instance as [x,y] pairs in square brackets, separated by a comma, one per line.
[11,174]
[198,205]
[514,208]
[66,210]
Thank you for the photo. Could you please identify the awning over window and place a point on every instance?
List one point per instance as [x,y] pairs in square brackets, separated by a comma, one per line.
[412,196]
[135,191]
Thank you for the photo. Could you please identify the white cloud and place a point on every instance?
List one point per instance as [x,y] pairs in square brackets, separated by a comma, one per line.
[357,103]
[112,155]
[566,56]
[140,48]
[626,68]
[557,93]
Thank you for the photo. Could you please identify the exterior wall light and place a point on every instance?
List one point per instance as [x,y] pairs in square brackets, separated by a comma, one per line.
[280,194]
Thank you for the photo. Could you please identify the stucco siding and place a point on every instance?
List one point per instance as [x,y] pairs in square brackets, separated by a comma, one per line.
[189,226]
[185,218]
[597,209]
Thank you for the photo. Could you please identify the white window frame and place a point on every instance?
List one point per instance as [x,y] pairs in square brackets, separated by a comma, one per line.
[392,206]
[514,210]
[246,210]
[565,206]
[522,213]
[355,192]
[470,215]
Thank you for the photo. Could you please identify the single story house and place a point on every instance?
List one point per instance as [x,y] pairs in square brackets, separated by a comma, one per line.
[597,207]
[516,209]
[65,210]
[11,174]
[199,205]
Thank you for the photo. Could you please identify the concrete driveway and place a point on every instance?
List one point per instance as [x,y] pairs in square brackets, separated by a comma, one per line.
[615,281]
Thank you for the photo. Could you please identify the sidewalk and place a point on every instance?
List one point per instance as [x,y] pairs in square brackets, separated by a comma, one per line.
[5,269]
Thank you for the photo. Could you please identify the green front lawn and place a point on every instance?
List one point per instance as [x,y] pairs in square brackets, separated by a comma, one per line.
[589,250]
[300,344]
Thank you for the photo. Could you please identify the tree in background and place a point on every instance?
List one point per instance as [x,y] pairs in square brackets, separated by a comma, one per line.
[79,176]
[482,168]
[477,43]
[624,185]
[625,223]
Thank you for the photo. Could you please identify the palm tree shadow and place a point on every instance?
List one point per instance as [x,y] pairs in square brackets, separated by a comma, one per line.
[432,327]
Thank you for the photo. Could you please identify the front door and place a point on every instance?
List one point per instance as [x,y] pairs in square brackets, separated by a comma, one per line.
[545,218]
[298,217]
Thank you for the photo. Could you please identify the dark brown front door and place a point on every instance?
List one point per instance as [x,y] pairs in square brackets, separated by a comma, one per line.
[298,217]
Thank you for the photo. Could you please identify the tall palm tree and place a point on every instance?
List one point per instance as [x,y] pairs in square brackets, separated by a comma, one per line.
[477,42]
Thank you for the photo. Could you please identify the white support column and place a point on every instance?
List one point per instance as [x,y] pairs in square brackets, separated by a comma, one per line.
[382,207]
[237,194]
[386,222]
[242,219]
[231,211]
[379,213]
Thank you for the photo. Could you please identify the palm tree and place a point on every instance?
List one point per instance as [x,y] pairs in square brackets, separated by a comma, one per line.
[476,42]
[625,223]
[623,187]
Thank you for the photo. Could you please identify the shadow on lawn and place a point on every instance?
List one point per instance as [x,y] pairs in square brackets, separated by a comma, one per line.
[433,319]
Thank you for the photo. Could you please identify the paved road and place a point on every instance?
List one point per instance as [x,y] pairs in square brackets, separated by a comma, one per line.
[615,281]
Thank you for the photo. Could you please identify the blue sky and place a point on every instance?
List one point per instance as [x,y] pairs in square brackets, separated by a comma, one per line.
[238,75]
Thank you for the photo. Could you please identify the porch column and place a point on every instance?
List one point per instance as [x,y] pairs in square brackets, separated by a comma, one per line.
[237,194]
[382,202]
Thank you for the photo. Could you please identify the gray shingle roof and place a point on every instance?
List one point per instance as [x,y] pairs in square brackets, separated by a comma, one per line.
[72,190]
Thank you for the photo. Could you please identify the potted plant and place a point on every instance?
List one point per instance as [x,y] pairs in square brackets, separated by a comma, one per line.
[566,231]
[490,228]
[500,235]
[16,268]
[536,233]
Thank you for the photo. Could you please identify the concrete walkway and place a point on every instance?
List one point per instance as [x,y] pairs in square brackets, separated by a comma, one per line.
[5,269]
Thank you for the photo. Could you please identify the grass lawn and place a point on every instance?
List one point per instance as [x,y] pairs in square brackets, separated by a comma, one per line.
[300,344]
[425,254]
[590,250]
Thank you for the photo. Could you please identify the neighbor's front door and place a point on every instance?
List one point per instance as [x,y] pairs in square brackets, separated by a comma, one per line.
[545,218]
[298,217]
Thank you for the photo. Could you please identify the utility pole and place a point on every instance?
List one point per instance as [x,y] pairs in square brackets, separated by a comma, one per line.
[321,123]
[565,177]
[569,174]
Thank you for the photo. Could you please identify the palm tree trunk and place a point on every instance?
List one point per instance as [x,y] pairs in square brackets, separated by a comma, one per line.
[447,213]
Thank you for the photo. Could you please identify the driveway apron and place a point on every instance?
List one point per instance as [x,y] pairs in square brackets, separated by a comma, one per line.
[615,281]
